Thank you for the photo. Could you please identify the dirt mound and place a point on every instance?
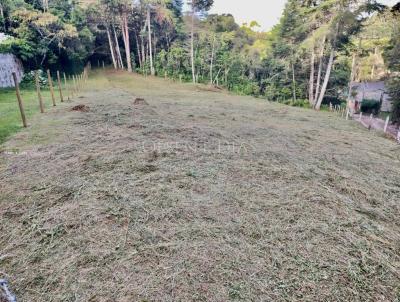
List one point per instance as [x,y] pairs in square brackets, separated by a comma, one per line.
[81,108]
[140,101]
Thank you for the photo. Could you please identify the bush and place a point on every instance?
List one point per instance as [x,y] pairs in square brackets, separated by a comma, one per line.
[394,92]
[29,79]
[370,106]
[297,103]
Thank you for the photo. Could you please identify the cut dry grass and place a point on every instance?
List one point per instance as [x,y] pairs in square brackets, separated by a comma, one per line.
[197,196]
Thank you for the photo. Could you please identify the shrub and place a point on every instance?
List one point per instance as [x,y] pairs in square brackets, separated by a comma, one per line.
[297,103]
[394,92]
[29,79]
[370,106]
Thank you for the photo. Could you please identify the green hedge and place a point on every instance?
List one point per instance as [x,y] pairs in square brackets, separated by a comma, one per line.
[370,106]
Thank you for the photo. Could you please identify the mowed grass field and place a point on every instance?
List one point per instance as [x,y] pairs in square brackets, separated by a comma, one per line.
[159,191]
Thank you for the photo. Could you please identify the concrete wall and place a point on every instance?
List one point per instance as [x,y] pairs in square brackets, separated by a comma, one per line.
[8,64]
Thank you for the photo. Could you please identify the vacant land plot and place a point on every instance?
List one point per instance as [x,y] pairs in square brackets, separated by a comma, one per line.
[156,191]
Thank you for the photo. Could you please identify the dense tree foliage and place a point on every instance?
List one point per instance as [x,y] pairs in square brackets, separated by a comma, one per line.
[46,33]
[392,55]
[310,58]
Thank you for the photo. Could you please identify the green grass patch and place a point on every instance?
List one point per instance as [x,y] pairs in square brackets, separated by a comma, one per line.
[10,117]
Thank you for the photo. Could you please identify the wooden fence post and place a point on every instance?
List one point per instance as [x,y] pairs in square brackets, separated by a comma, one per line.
[51,87]
[59,86]
[386,124]
[74,82]
[66,85]
[20,104]
[41,106]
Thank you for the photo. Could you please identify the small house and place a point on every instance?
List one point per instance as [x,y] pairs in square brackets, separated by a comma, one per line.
[369,91]
[9,63]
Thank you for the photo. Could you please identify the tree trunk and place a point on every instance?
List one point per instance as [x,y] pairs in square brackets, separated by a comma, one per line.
[192,46]
[326,80]
[111,47]
[352,75]
[321,61]
[150,42]
[138,50]
[1,11]
[118,50]
[212,61]
[45,5]
[155,42]
[125,35]
[312,74]
[142,51]
[373,64]
[167,40]
[2,16]
[293,83]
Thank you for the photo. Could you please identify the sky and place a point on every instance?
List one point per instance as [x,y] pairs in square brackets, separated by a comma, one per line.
[266,12]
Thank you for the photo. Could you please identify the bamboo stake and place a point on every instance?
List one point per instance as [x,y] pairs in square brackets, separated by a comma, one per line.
[41,106]
[20,104]
[51,87]
[59,86]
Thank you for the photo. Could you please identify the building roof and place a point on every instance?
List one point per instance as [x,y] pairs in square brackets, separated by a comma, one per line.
[369,86]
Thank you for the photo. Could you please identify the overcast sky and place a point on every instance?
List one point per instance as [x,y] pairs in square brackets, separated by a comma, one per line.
[265,12]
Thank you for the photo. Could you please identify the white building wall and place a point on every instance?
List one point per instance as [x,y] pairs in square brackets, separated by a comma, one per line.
[9,64]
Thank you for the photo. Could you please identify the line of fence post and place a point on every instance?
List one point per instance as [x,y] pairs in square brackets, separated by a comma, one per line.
[20,103]
[77,84]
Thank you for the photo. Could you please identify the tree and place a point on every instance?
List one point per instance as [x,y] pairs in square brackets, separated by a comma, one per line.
[162,15]
[197,7]
[347,19]
[392,58]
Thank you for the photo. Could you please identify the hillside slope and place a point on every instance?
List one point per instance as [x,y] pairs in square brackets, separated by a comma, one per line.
[196,195]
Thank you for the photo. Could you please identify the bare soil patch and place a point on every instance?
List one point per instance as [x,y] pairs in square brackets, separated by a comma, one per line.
[140,101]
[81,108]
